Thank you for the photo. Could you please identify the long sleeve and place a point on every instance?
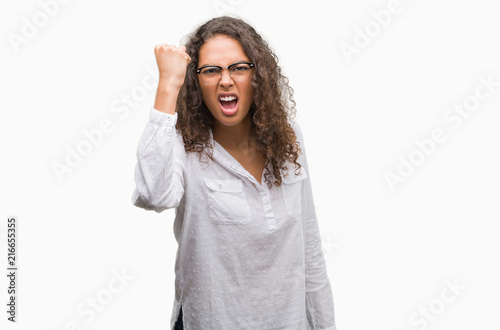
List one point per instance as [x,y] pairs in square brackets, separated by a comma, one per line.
[319,297]
[159,172]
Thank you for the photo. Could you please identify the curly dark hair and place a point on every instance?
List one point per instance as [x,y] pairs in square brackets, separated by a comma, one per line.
[272,104]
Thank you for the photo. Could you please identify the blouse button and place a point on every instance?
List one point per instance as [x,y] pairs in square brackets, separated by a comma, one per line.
[169,118]
[220,186]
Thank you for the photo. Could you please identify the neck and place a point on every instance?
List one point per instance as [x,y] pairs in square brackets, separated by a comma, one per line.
[240,136]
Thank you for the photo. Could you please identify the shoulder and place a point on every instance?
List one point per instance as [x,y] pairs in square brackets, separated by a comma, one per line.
[298,132]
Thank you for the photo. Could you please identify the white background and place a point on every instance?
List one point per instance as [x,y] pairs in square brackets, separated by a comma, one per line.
[389,252]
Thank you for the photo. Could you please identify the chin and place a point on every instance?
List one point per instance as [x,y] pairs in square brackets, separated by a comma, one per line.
[230,120]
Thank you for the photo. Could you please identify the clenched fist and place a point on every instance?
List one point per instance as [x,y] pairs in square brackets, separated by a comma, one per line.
[172,63]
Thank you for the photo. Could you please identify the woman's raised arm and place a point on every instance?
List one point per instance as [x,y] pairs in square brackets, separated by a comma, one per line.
[159,172]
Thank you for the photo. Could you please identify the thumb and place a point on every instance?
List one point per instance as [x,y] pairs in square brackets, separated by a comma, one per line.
[183,49]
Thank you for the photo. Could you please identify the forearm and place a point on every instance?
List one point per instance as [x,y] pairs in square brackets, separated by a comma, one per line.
[319,295]
[166,97]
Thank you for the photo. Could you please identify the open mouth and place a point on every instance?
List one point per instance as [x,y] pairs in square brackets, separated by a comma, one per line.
[228,104]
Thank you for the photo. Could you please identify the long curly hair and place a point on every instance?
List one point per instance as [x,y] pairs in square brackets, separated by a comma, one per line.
[272,104]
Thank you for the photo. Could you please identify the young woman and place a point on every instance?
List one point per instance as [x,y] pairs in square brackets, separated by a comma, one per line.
[221,149]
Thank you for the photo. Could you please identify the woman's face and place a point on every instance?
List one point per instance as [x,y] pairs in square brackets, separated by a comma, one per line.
[223,51]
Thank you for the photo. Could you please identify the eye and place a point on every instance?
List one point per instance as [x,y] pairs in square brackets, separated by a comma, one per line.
[241,67]
[210,71]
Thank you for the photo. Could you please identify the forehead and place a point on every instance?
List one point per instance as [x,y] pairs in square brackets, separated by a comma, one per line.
[221,50]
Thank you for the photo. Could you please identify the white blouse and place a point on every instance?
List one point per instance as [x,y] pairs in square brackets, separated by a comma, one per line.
[249,256]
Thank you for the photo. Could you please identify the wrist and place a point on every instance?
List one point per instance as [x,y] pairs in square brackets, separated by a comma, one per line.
[169,86]
[166,98]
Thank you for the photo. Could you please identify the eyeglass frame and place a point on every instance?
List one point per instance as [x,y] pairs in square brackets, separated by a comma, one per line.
[198,71]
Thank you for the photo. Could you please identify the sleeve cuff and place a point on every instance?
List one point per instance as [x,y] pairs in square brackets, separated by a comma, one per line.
[162,118]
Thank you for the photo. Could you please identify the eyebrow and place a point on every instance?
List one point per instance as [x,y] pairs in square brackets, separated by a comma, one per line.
[221,65]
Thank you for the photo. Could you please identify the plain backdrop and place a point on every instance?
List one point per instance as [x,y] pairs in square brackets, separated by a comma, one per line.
[378,96]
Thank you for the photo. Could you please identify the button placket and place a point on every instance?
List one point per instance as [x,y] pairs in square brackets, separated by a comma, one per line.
[265,196]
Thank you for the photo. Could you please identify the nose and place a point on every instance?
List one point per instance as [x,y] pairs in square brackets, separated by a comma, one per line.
[226,79]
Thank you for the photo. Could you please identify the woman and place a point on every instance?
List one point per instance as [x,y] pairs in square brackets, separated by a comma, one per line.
[220,148]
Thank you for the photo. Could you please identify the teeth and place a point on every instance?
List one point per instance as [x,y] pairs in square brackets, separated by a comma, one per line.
[227,98]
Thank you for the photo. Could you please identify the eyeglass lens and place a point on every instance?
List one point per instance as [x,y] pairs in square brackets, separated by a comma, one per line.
[238,72]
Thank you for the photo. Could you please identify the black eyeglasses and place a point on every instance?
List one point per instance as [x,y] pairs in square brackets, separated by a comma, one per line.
[212,74]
